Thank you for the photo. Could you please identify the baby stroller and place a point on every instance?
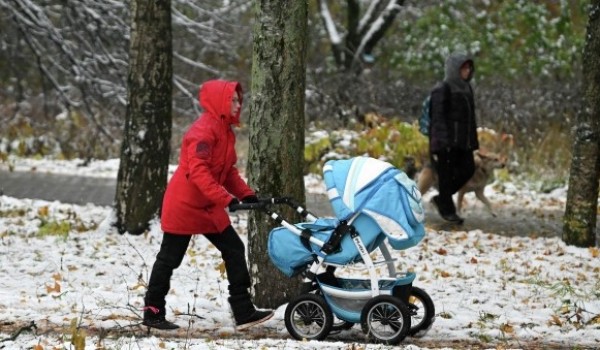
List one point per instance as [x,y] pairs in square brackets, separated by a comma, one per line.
[373,203]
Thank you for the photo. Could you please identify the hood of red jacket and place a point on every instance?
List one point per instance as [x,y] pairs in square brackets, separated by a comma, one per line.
[215,98]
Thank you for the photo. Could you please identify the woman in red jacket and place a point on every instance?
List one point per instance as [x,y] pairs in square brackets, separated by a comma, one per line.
[204,184]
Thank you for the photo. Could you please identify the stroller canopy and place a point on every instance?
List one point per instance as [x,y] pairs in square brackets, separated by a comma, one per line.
[364,185]
[378,200]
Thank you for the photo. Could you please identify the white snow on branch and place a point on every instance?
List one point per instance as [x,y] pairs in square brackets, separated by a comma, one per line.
[334,36]
[375,26]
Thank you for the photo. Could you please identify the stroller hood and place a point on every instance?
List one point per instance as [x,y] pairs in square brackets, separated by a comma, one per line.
[364,185]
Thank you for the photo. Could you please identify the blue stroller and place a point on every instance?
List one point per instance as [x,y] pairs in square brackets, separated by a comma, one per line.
[374,203]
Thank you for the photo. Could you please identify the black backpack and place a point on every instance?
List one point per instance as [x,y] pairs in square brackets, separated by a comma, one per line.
[425,117]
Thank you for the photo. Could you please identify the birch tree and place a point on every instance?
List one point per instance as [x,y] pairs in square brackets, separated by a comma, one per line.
[276,155]
[582,196]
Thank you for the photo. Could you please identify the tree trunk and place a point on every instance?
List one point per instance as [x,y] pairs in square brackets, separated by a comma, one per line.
[145,151]
[276,156]
[582,197]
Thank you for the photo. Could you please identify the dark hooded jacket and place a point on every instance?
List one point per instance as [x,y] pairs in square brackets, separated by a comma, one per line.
[206,177]
[453,122]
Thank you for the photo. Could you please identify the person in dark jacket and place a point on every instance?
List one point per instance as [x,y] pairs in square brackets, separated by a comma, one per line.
[204,184]
[453,134]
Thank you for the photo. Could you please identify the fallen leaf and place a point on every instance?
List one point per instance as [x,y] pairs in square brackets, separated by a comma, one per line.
[555,321]
[442,251]
[43,211]
[507,328]
[55,288]
[221,269]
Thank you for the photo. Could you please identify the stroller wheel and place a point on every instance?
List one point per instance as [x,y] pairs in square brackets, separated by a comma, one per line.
[385,319]
[422,312]
[308,317]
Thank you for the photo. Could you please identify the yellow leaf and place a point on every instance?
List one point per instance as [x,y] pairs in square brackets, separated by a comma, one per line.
[111,317]
[555,321]
[139,285]
[55,288]
[43,211]
[57,277]
[595,252]
[445,274]
[38,347]
[507,328]
[221,269]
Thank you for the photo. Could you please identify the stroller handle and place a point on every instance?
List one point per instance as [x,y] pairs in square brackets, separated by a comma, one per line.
[264,204]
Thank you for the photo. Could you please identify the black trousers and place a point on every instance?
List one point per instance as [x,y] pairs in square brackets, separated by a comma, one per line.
[171,253]
[454,168]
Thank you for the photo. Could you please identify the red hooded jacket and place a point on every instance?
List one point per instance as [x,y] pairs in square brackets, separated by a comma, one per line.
[206,178]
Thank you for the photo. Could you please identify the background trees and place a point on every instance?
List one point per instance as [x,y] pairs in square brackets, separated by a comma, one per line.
[63,67]
[582,198]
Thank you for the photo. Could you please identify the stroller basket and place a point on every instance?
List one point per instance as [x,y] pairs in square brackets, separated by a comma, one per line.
[347,297]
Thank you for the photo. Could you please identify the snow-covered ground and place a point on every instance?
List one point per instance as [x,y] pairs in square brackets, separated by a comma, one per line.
[64,265]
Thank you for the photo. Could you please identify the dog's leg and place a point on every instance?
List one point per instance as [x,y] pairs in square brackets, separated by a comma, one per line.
[426,179]
[479,194]
[459,200]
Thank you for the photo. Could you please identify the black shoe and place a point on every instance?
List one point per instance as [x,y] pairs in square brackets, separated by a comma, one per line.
[453,218]
[159,323]
[255,318]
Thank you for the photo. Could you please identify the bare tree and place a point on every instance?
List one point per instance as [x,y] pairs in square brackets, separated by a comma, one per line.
[276,156]
[79,52]
[145,151]
[582,197]
[73,56]
[353,28]
[354,45]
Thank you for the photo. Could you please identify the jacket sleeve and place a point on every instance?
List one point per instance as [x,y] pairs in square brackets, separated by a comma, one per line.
[200,153]
[438,110]
[236,185]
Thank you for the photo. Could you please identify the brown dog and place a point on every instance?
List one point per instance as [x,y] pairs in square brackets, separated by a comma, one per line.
[485,163]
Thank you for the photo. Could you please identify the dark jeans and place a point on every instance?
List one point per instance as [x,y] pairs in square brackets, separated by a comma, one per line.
[454,168]
[172,251]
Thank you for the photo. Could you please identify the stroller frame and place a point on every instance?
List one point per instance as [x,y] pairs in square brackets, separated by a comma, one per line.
[372,297]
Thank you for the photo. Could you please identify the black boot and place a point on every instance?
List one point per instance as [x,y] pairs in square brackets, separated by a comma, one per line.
[155,318]
[447,210]
[244,312]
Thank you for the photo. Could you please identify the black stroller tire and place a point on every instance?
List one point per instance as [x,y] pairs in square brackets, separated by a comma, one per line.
[385,319]
[308,317]
[422,311]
